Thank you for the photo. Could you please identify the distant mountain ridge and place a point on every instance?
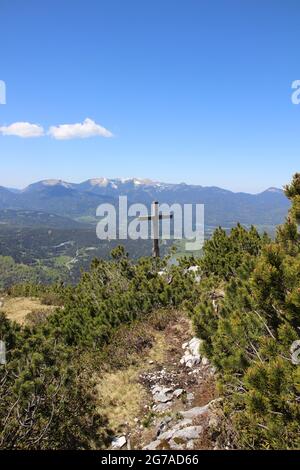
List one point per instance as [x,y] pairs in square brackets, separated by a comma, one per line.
[78,200]
[98,185]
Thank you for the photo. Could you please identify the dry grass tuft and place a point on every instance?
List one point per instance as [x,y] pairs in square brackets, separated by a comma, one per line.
[159,350]
[121,396]
[18,308]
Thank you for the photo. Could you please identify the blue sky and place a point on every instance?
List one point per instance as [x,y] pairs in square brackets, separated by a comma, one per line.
[195,90]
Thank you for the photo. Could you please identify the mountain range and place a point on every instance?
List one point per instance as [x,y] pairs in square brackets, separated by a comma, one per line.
[78,201]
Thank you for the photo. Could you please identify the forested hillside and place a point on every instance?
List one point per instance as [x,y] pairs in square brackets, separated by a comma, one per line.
[244,304]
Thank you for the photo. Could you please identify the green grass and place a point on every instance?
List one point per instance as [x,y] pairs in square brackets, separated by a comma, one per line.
[61,260]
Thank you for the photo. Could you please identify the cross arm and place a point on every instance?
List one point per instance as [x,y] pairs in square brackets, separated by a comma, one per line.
[151,217]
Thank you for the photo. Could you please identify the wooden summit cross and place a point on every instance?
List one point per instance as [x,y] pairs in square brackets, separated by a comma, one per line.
[155,217]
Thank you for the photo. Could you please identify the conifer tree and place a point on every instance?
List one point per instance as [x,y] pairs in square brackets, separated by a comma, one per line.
[249,333]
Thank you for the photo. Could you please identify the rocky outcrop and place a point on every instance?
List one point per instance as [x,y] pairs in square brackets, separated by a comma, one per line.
[183,433]
[163,397]
[191,356]
[177,439]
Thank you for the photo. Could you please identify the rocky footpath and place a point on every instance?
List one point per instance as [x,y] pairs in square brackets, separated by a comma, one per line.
[183,408]
[183,431]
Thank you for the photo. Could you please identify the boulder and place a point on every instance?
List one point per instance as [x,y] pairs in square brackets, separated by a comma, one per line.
[195,412]
[162,394]
[182,431]
[178,392]
[194,346]
[182,424]
[191,356]
[171,433]
[162,407]
[191,432]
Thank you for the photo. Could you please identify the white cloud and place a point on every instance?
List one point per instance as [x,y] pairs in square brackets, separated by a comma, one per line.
[22,129]
[62,132]
[79,131]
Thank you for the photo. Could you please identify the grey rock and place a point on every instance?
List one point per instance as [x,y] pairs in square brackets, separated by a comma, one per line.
[195,412]
[194,346]
[195,270]
[162,394]
[182,430]
[161,407]
[118,442]
[191,355]
[171,433]
[191,432]
[167,435]
[178,392]
[182,424]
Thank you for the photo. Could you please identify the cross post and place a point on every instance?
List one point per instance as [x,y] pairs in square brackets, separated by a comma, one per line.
[155,217]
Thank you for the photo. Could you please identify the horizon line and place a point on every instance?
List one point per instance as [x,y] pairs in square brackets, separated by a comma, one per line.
[139,180]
